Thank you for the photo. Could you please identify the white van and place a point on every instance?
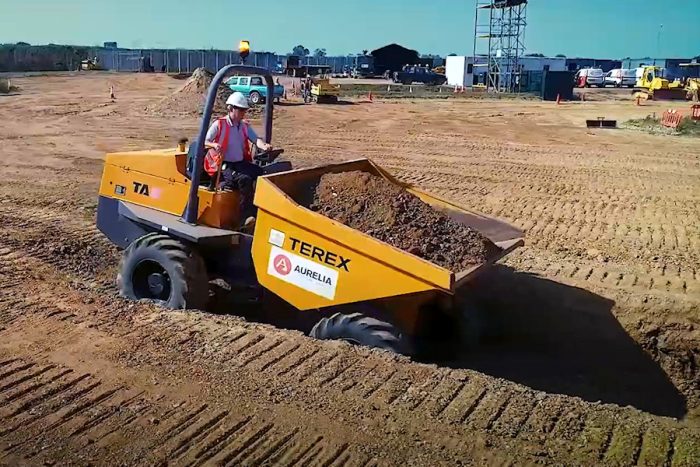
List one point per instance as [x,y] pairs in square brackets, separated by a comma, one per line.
[621,77]
[587,77]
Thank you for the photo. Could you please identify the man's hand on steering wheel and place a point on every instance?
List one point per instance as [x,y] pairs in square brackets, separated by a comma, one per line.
[265,147]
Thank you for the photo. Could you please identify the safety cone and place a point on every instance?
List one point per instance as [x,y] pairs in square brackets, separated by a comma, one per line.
[558,99]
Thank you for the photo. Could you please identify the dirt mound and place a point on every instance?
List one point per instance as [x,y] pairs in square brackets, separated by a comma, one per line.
[389,213]
[190,98]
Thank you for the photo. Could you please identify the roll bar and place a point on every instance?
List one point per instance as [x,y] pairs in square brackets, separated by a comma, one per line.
[192,208]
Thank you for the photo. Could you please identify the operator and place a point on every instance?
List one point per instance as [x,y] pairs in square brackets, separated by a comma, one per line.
[229,136]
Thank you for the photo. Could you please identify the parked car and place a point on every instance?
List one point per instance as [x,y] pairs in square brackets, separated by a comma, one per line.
[417,74]
[587,77]
[254,88]
[620,77]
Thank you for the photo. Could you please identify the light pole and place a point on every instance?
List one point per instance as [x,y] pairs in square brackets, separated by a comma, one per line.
[658,42]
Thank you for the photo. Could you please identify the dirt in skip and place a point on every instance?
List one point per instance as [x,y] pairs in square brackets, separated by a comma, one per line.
[389,213]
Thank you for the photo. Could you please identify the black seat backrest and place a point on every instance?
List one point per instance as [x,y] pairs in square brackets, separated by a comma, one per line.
[204,179]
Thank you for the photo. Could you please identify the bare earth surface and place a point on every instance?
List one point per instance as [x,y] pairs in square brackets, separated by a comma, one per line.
[594,359]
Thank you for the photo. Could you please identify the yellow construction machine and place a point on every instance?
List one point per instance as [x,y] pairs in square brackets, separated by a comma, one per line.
[691,80]
[179,232]
[652,85]
[90,64]
[323,92]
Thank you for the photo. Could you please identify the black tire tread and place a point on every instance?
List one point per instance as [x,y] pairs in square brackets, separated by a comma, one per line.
[369,331]
[188,263]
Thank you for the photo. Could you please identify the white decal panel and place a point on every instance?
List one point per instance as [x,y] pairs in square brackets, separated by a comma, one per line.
[303,273]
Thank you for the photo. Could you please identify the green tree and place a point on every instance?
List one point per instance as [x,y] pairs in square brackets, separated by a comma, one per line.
[300,50]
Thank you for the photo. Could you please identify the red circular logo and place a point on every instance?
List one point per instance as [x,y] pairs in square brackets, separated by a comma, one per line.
[282,265]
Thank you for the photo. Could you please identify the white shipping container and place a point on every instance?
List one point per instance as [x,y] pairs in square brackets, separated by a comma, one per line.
[459,71]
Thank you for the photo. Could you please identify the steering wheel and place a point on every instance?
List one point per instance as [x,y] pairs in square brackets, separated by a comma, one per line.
[268,157]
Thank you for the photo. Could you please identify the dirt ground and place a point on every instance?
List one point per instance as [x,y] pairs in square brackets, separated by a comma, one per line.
[593,356]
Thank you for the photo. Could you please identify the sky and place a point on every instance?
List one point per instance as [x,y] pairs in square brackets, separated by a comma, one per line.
[589,28]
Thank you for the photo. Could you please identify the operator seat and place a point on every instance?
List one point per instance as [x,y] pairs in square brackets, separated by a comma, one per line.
[204,178]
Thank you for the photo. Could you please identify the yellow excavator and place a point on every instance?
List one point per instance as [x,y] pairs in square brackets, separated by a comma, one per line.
[652,85]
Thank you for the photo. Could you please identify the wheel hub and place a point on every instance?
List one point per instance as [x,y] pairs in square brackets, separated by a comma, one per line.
[151,281]
[156,283]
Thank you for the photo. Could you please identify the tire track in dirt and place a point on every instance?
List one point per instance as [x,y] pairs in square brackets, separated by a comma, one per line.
[63,411]
[474,402]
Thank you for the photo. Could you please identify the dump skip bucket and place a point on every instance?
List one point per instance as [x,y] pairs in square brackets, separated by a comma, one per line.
[312,261]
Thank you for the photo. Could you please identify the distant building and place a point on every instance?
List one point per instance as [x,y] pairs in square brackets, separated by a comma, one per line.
[575,64]
[671,65]
[110,45]
[393,57]
[542,63]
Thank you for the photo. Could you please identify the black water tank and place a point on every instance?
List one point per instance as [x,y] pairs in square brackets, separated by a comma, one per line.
[508,3]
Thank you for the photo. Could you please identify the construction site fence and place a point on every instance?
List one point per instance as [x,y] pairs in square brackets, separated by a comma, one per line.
[186,61]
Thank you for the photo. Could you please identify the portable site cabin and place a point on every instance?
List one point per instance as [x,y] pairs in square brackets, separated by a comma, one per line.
[460,71]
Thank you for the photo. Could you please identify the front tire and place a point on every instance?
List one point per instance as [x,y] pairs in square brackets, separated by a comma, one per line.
[157,267]
[359,329]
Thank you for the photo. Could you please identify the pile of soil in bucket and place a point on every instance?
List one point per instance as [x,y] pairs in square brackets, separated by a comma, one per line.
[190,98]
[389,213]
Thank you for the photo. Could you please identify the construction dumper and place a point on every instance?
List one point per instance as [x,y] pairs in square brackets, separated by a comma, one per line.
[323,92]
[353,286]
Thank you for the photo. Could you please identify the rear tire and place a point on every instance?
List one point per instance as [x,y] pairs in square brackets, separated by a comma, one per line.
[159,268]
[359,329]
[255,98]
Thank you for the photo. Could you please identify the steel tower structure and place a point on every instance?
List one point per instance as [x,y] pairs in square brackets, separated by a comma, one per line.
[499,27]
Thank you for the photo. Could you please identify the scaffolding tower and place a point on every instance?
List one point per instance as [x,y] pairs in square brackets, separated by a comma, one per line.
[499,27]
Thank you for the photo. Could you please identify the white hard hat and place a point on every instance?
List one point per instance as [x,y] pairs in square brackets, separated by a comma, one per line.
[237,99]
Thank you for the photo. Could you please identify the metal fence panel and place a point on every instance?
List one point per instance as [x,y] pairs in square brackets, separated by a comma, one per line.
[186,61]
